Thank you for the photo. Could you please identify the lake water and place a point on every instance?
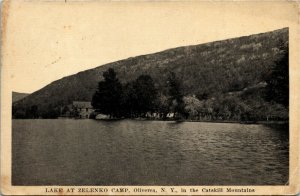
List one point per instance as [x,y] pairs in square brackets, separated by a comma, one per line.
[129,152]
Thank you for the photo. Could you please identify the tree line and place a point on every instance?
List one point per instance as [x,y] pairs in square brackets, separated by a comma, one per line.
[138,98]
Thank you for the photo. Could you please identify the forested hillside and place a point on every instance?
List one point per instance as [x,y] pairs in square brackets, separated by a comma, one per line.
[235,69]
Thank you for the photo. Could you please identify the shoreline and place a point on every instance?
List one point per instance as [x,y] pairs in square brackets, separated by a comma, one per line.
[216,121]
[173,120]
[208,121]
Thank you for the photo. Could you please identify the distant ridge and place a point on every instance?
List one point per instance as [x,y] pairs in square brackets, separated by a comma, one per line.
[16,96]
[214,68]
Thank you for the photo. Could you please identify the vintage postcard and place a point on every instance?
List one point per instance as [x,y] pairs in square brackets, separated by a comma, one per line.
[150,97]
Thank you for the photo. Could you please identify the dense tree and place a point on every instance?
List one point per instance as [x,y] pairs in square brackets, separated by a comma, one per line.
[278,80]
[33,111]
[18,112]
[65,110]
[146,94]
[139,97]
[162,105]
[107,98]
[193,106]
[29,112]
[129,100]
[134,99]
[176,95]
[51,112]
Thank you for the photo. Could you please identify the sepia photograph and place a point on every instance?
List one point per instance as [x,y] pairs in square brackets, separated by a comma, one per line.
[218,110]
[149,94]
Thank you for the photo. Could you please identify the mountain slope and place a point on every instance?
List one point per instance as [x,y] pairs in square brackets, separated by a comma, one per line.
[213,68]
[16,96]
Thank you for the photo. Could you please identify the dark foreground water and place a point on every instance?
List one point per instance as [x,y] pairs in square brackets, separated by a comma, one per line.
[127,152]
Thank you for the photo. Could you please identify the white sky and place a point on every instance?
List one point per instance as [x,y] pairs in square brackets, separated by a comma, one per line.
[45,41]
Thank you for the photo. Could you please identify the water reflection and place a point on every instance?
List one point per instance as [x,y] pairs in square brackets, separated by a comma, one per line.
[87,152]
